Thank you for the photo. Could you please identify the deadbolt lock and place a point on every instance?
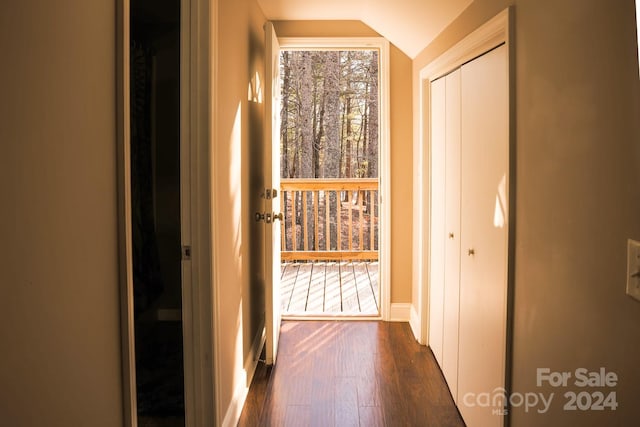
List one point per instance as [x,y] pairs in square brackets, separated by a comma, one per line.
[270,193]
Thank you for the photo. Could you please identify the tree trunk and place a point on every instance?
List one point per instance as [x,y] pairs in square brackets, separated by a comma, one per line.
[284,116]
[332,114]
[372,154]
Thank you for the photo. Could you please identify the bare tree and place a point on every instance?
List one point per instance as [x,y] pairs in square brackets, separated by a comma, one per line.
[329,125]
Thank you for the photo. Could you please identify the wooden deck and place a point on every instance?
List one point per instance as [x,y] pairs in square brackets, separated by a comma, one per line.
[330,289]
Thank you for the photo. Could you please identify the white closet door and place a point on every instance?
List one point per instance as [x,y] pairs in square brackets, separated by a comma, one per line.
[484,229]
[436,275]
[452,235]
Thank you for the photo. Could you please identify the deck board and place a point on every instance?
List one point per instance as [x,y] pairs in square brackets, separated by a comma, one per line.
[330,288]
[366,295]
[332,299]
[301,289]
[287,282]
[372,269]
[315,301]
[350,303]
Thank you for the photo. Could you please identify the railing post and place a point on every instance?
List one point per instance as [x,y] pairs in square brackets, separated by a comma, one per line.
[350,205]
[372,230]
[294,225]
[305,222]
[339,220]
[327,218]
[316,201]
[283,228]
[361,221]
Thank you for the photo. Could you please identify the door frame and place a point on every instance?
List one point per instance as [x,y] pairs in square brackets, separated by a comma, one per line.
[197,98]
[384,159]
[493,33]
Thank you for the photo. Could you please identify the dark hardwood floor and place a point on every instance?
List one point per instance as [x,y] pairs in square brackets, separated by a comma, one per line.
[349,373]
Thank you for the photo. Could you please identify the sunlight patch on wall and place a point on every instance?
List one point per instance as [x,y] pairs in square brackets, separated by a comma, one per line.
[500,212]
[235,179]
[255,89]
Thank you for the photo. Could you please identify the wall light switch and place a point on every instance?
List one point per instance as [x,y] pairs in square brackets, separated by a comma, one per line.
[633,269]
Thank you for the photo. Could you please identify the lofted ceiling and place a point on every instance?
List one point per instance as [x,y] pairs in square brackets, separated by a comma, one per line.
[409,24]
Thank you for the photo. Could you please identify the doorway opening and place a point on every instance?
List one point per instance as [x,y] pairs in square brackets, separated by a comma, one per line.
[165,332]
[331,168]
[156,211]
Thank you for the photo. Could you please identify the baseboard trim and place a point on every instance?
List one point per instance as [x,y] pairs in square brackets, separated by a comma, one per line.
[400,312]
[414,322]
[233,412]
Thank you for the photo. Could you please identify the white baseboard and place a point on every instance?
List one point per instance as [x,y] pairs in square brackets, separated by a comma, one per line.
[400,312]
[414,322]
[233,412]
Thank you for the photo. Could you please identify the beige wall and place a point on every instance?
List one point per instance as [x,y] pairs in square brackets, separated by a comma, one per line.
[401,142]
[577,194]
[237,181]
[60,356]
[401,176]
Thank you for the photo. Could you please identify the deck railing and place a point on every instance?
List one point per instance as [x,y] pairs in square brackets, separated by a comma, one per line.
[329,219]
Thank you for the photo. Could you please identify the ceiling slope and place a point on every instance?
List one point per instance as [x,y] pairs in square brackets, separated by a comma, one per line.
[409,24]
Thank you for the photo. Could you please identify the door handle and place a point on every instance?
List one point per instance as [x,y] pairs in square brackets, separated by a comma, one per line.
[471,252]
[271,217]
[268,217]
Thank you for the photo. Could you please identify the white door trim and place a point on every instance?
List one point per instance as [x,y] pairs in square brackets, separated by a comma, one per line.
[125,254]
[198,57]
[200,310]
[380,43]
[493,33]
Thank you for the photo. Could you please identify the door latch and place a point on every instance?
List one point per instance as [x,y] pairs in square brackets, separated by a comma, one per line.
[186,253]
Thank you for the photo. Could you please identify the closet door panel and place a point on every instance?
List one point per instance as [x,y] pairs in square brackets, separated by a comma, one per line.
[452,235]
[483,273]
[436,275]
